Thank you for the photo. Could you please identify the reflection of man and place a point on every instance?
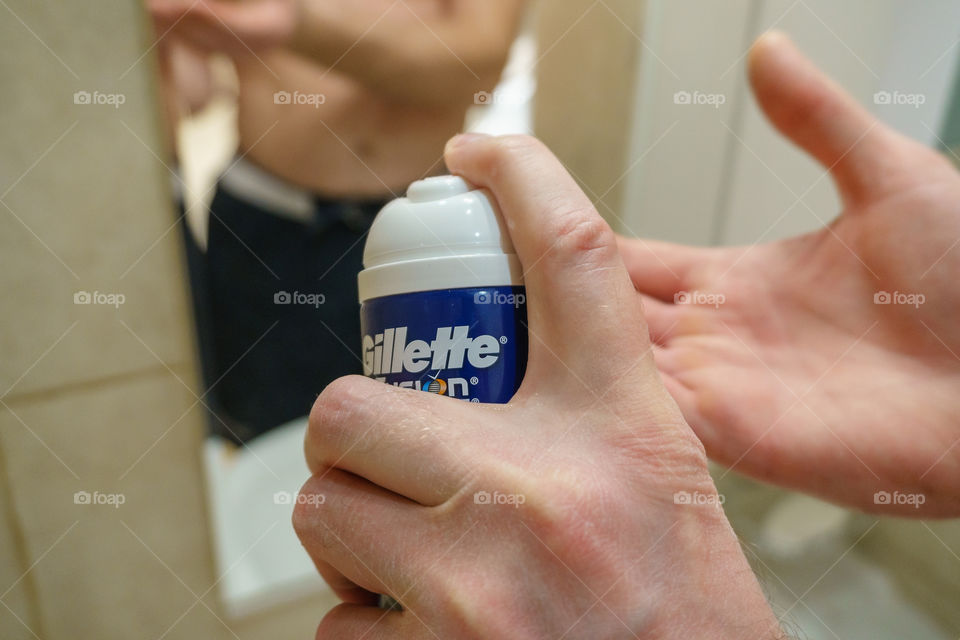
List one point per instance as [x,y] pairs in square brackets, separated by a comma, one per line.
[342,103]
[619,534]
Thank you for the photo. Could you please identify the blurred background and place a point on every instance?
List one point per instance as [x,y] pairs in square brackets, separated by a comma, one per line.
[156,319]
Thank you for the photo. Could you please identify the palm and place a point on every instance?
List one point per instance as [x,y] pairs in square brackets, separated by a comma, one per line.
[798,377]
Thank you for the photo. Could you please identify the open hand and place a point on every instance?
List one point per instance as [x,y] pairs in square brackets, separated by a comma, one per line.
[830,362]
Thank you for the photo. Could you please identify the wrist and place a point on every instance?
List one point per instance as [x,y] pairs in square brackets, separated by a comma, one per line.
[715,594]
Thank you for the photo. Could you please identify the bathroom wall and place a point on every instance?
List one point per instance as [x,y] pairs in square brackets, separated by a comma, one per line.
[587,54]
[18,615]
[720,174]
[740,180]
[96,398]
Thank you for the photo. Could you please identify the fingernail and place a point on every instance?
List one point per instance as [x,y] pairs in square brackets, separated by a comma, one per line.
[464,139]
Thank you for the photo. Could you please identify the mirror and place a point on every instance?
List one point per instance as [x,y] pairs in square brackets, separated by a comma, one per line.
[284,158]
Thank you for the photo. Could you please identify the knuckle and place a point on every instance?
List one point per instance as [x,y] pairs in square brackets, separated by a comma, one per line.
[568,514]
[582,231]
[332,623]
[507,152]
[335,412]
[549,502]
[312,524]
[340,395]
[304,517]
[460,595]
[554,510]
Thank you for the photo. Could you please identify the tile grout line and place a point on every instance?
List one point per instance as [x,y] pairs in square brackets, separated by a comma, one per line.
[45,394]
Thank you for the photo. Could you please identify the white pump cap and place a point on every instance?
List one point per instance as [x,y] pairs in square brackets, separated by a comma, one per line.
[444,235]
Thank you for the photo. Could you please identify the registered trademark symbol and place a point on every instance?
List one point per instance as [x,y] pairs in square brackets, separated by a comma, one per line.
[503,339]
[474,380]
[474,399]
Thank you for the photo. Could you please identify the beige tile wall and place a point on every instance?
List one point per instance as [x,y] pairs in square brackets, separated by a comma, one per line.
[18,616]
[94,398]
[85,204]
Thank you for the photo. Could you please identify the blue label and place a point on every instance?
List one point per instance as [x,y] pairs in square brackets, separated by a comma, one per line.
[469,344]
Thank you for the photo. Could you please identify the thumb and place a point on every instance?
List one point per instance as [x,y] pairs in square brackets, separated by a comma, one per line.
[584,315]
[821,118]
